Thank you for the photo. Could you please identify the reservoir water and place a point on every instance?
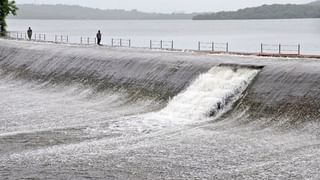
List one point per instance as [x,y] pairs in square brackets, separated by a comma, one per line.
[242,35]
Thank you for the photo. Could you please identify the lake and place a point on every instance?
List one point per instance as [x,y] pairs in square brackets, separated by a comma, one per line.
[242,35]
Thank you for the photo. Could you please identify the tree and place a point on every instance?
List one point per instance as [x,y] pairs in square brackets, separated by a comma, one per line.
[6,7]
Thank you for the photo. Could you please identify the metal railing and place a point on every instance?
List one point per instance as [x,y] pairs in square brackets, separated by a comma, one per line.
[39,37]
[270,49]
[21,35]
[24,36]
[88,40]
[280,49]
[212,46]
[61,38]
[16,35]
[8,35]
[161,44]
[120,42]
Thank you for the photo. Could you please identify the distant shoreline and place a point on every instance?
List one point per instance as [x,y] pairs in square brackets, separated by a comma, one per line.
[72,12]
[165,19]
[274,11]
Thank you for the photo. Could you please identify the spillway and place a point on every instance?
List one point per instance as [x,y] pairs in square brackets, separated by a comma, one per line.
[209,94]
[78,112]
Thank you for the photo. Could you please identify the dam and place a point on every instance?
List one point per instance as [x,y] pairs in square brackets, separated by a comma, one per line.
[87,112]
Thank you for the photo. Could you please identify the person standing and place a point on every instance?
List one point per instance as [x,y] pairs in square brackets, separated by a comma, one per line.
[29,32]
[99,37]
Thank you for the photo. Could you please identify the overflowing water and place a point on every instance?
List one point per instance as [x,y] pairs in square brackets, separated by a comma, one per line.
[212,92]
[72,112]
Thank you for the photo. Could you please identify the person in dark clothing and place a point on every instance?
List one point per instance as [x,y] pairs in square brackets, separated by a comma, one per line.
[99,37]
[219,105]
[29,32]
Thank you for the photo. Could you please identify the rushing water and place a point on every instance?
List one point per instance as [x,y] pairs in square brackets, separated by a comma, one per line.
[242,35]
[91,112]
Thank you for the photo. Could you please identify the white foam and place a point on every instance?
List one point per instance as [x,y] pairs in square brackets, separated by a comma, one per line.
[219,85]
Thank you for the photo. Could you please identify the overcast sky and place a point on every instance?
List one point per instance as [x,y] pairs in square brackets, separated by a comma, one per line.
[167,6]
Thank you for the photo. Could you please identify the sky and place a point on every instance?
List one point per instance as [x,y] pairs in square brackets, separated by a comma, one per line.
[166,6]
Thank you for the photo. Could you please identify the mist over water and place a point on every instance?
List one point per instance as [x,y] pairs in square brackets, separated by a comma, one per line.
[75,112]
[242,35]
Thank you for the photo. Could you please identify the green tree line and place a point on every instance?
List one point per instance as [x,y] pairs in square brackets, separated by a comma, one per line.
[6,7]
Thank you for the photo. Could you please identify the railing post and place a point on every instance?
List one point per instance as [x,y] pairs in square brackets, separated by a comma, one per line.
[279,48]
[44,37]
[67,39]
[172,44]
[161,44]
[150,44]
[261,48]
[120,42]
[227,47]
[199,46]
[212,46]
[112,42]
[299,49]
[88,40]
[129,42]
